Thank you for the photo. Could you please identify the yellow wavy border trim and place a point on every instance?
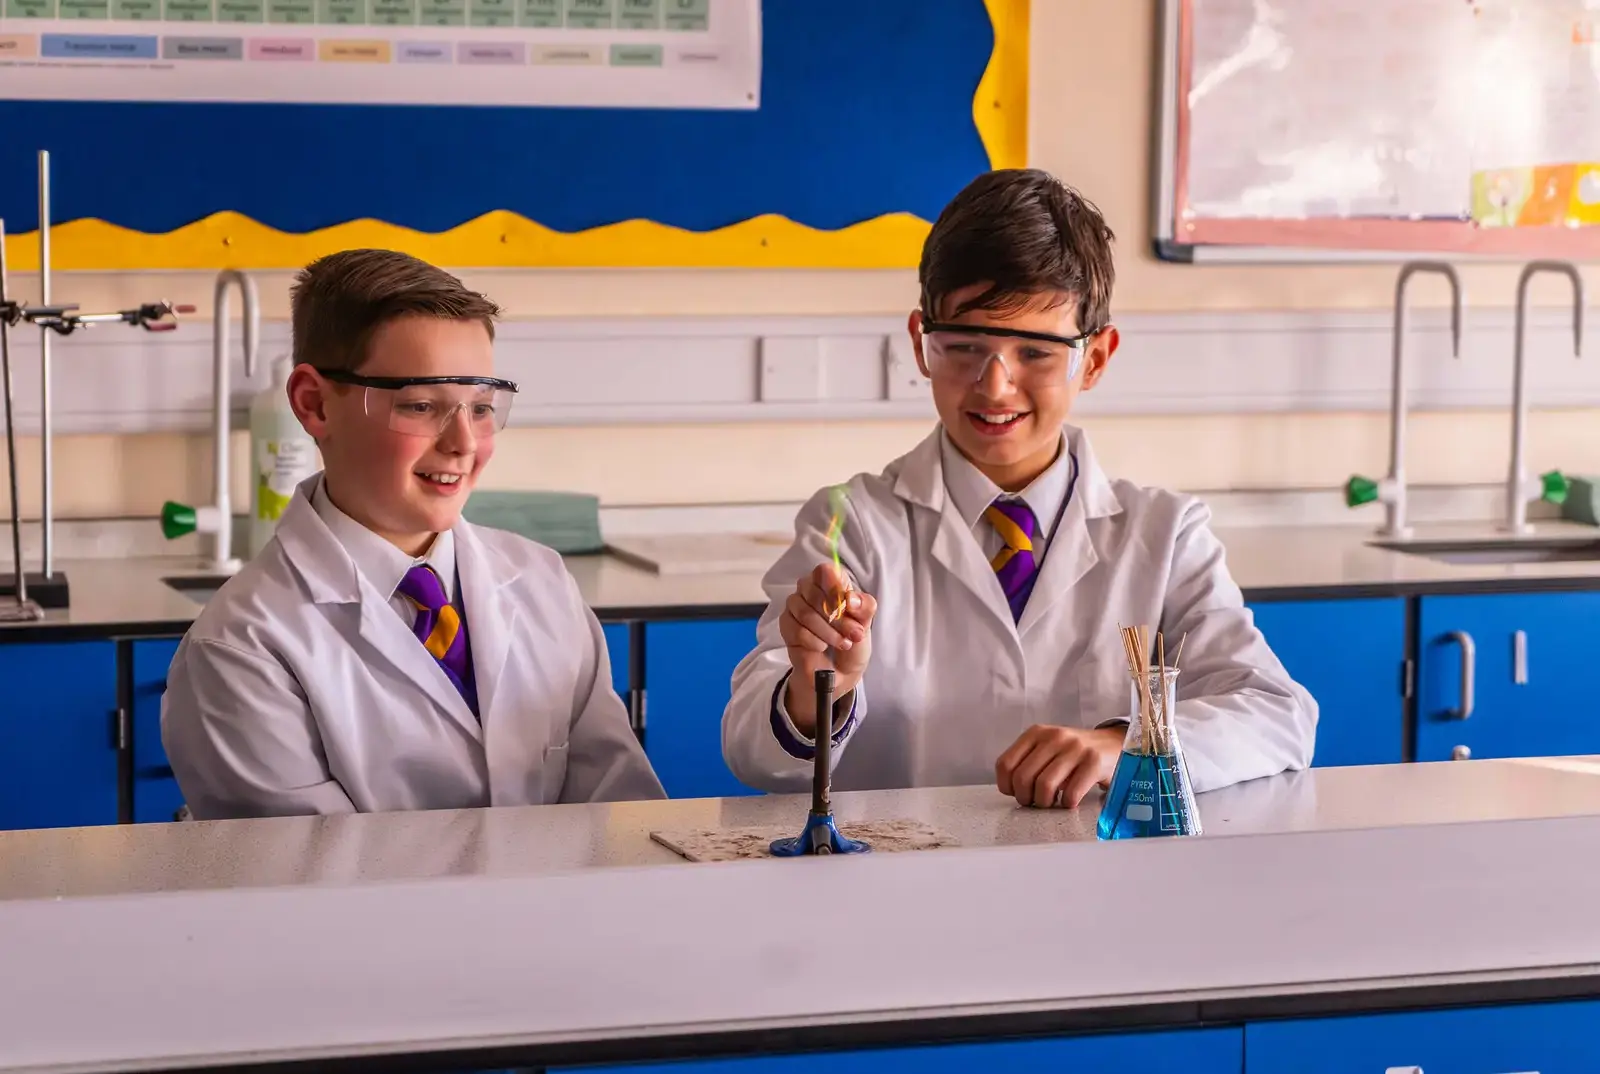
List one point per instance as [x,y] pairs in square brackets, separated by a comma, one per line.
[503,239]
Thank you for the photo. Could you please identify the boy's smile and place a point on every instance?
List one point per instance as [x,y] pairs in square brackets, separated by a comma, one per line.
[1003,399]
[402,462]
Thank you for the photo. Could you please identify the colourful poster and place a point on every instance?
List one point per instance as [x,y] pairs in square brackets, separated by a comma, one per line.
[695,54]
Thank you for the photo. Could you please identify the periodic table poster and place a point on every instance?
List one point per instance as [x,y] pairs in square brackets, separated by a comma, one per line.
[612,53]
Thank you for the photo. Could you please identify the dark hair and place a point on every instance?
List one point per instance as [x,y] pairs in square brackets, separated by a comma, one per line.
[1025,233]
[340,300]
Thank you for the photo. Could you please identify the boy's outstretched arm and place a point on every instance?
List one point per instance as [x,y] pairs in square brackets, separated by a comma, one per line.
[764,744]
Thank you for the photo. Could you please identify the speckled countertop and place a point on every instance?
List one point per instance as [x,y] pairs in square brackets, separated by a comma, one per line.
[539,840]
[129,597]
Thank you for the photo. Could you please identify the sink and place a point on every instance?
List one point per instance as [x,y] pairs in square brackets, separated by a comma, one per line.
[1493,550]
[197,587]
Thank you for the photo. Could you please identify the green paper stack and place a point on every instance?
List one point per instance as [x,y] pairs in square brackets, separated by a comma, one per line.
[568,522]
[1583,501]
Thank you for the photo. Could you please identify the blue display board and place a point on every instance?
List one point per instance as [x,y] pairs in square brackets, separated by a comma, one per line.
[869,121]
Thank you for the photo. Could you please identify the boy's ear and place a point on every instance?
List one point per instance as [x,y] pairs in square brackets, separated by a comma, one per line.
[914,326]
[1097,355]
[308,398]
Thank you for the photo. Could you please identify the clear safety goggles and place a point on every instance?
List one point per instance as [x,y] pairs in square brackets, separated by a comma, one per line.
[962,352]
[427,406]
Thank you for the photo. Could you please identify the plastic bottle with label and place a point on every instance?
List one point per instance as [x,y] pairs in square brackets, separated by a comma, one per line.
[282,455]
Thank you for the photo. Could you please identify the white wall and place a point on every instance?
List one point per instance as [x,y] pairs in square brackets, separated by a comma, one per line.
[1090,117]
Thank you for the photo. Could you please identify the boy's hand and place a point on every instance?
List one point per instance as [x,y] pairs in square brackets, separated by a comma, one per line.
[808,635]
[1056,766]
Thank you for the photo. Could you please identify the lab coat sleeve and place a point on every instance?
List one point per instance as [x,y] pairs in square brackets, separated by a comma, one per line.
[759,742]
[241,739]
[605,762]
[1239,714]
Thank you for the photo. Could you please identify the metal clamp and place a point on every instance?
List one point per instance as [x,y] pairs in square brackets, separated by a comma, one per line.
[1469,670]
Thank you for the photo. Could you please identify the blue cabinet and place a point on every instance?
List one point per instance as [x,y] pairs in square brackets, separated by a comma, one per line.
[1550,1038]
[1504,675]
[617,650]
[156,796]
[58,749]
[1350,656]
[1193,1051]
[688,668]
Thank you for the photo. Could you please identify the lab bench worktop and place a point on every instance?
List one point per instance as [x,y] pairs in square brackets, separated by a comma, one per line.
[564,933]
[530,841]
[130,597]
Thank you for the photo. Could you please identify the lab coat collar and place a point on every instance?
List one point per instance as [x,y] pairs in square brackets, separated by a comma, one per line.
[380,562]
[1072,552]
[921,477]
[485,573]
[331,577]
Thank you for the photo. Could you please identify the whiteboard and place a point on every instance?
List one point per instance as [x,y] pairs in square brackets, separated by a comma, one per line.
[583,53]
[1376,129]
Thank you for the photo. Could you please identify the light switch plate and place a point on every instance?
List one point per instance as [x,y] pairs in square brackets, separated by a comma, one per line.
[791,369]
[902,378]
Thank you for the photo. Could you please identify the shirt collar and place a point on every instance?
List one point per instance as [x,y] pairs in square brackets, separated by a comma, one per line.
[971,492]
[378,561]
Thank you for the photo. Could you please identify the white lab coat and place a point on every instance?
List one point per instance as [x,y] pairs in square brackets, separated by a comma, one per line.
[298,690]
[953,681]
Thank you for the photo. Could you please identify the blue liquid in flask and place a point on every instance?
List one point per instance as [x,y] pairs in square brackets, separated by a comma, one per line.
[1149,796]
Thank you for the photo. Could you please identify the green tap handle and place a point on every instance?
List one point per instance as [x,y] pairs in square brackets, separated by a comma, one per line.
[1554,487]
[1359,490]
[177,519]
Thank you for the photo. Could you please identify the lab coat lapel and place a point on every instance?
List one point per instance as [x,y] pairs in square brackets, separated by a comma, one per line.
[331,578]
[1071,553]
[921,482]
[491,618]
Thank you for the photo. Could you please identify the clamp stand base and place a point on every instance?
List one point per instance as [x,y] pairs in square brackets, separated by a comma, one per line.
[821,836]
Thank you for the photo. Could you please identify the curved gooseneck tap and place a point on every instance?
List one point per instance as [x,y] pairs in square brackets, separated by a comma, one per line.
[222,557]
[1393,490]
[1518,490]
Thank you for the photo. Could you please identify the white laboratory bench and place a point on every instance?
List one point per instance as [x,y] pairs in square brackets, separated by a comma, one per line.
[562,935]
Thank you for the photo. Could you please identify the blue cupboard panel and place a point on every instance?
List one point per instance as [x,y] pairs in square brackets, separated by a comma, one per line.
[617,650]
[1349,654]
[58,757]
[1547,713]
[156,796]
[1547,1038]
[688,668]
[1192,1051]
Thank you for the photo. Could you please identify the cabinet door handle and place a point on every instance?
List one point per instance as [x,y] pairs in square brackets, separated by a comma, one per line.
[1461,753]
[1469,673]
[1519,658]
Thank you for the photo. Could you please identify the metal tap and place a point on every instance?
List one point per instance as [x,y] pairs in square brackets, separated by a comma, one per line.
[221,404]
[1553,485]
[1391,491]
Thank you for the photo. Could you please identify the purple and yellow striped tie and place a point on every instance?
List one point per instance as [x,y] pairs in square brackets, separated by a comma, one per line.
[440,629]
[1015,566]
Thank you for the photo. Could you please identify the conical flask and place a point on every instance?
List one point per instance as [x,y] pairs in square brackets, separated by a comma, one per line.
[1150,792]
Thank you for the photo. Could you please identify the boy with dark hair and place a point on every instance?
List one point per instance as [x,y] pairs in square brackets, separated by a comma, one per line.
[381,653]
[986,572]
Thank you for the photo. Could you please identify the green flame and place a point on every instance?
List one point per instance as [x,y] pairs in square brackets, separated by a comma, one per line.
[836,504]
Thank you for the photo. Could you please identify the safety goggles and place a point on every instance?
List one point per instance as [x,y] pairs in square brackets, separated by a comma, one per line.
[427,406]
[962,352]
